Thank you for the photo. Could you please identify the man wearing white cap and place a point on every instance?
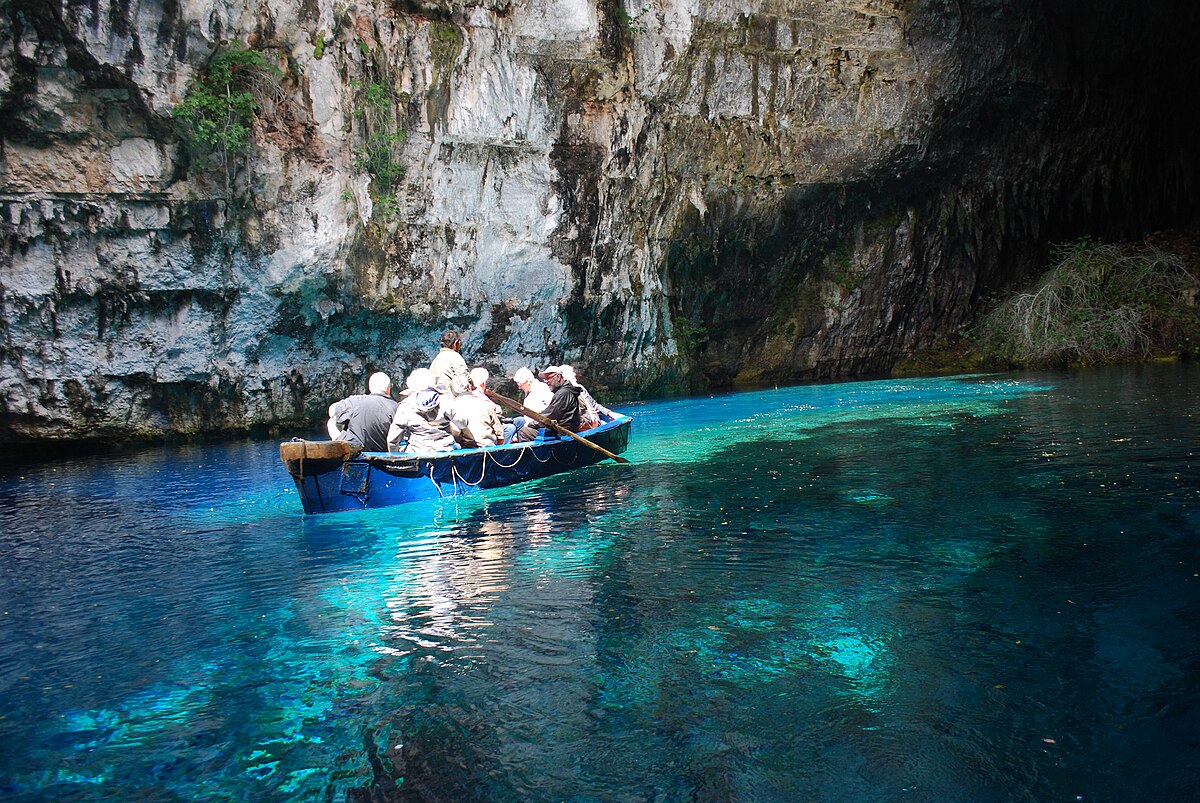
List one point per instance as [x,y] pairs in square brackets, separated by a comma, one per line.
[563,408]
[537,393]
[537,396]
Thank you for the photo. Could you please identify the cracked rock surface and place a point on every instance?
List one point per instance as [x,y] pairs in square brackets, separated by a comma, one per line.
[668,194]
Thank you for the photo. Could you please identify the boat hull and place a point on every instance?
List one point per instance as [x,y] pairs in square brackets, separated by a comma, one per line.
[332,476]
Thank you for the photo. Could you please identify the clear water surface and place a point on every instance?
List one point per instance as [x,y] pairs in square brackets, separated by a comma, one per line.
[974,588]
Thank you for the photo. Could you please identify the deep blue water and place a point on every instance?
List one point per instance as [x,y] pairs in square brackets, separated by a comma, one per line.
[977,588]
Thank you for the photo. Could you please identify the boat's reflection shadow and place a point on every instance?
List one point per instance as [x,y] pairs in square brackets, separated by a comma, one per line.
[481,621]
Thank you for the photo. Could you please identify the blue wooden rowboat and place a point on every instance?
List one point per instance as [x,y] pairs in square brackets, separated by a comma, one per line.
[332,476]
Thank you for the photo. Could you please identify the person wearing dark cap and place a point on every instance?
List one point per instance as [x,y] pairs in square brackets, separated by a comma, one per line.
[563,408]
[449,367]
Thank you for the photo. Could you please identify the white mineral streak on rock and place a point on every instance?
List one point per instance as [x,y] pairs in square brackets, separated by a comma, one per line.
[566,27]
[492,206]
[325,92]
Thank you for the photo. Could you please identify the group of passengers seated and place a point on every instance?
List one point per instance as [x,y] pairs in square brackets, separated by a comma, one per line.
[446,406]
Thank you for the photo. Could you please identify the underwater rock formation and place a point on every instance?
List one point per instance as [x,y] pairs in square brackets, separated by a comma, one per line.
[668,194]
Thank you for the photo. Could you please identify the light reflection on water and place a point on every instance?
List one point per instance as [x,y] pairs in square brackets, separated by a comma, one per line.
[967,588]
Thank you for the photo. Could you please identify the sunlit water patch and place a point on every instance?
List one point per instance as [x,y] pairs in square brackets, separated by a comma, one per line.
[933,589]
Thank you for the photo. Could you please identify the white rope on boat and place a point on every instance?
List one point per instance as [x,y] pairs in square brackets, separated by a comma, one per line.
[457,476]
[520,454]
[534,454]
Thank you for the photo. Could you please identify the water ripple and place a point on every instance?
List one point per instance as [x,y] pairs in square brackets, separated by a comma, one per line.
[963,588]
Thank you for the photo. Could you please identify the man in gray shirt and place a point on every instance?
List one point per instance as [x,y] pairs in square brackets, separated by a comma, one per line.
[364,418]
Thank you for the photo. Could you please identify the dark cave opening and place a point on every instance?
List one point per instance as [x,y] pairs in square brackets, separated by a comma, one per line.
[1052,124]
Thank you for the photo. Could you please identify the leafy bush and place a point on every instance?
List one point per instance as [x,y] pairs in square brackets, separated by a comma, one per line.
[380,155]
[386,207]
[688,335]
[217,112]
[1099,303]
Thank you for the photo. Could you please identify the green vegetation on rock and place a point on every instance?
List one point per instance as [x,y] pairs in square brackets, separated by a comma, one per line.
[383,138]
[687,334]
[379,156]
[631,24]
[446,42]
[842,271]
[1099,303]
[218,110]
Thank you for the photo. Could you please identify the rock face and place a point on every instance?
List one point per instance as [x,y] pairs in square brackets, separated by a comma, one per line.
[666,194]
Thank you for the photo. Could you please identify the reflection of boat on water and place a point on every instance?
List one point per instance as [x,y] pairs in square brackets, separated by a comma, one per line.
[334,475]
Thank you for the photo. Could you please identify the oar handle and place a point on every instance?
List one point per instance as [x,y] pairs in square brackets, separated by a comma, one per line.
[547,422]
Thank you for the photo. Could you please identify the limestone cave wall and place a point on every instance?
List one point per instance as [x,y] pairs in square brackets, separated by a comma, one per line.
[667,193]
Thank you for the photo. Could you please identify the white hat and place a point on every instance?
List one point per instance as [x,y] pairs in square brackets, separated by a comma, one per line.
[551,369]
[420,379]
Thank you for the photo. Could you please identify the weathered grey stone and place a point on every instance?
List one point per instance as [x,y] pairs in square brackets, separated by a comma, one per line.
[138,164]
[686,192]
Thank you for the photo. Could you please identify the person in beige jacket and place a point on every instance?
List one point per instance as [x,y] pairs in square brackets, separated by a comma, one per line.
[449,367]
[475,420]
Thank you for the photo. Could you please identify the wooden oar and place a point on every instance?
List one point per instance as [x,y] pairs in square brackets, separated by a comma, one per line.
[546,422]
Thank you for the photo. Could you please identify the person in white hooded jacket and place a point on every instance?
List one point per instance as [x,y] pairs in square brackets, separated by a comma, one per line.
[591,412]
[422,420]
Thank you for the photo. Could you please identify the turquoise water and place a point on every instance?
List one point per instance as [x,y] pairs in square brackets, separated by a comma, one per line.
[976,588]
